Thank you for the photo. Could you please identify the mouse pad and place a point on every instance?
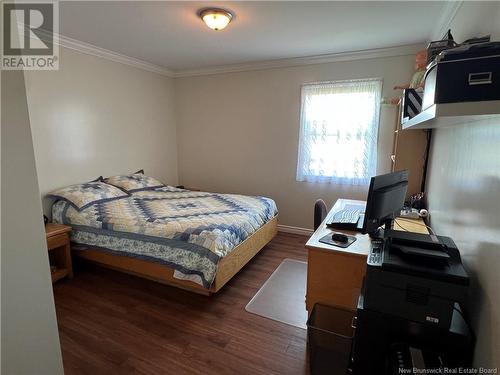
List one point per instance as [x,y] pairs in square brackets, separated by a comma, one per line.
[328,240]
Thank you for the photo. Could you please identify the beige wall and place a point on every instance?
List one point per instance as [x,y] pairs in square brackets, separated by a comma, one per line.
[97,117]
[30,341]
[238,132]
[464,190]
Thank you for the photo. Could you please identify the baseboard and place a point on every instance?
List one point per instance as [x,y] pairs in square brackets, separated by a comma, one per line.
[295,230]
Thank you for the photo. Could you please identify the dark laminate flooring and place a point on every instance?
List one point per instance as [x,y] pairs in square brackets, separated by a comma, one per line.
[113,323]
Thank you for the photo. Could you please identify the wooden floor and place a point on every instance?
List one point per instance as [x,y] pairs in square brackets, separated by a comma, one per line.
[112,323]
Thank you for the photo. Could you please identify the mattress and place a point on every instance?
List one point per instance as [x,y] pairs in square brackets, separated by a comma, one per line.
[186,230]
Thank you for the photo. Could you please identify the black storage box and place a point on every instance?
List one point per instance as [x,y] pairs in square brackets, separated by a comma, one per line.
[467,73]
[330,331]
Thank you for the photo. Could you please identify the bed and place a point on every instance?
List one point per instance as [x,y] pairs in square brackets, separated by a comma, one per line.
[192,240]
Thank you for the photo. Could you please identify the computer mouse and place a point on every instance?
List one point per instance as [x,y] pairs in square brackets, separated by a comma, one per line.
[340,237]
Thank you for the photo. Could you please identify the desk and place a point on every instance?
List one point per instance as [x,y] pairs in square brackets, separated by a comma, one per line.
[335,274]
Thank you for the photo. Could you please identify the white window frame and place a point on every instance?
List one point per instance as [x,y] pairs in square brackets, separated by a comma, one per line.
[366,130]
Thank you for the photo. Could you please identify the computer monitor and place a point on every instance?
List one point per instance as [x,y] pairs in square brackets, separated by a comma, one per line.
[385,200]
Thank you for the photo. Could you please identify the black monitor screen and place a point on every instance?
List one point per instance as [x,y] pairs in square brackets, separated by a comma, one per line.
[385,199]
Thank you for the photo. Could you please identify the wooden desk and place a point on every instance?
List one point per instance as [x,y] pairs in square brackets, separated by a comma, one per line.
[335,274]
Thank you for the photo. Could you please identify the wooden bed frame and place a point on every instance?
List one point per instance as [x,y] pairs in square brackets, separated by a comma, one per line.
[228,266]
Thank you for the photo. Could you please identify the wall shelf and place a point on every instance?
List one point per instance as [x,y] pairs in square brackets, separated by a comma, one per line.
[453,114]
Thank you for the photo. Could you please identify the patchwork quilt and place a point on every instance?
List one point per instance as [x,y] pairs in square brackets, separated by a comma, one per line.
[187,230]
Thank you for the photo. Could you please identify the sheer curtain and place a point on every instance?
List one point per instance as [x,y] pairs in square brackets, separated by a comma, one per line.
[338,131]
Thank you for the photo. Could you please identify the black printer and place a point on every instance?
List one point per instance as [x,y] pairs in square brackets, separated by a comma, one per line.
[416,277]
[468,73]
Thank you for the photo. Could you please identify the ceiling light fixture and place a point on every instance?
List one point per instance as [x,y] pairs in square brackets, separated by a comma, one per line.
[216,18]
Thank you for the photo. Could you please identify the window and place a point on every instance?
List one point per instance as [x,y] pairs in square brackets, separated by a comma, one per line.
[338,131]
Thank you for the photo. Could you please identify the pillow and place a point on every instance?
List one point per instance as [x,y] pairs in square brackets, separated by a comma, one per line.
[85,195]
[134,182]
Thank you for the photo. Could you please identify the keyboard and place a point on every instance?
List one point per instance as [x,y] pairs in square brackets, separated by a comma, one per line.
[351,216]
[346,216]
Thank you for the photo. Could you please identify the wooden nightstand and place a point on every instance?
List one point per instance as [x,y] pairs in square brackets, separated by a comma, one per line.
[59,250]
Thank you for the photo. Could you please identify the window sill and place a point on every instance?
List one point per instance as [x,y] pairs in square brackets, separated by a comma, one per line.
[335,181]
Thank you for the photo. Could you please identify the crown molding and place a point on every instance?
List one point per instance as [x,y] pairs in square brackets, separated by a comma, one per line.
[308,60]
[90,49]
[93,50]
[448,14]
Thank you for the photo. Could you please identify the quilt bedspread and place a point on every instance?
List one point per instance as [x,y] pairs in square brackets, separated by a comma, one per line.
[187,230]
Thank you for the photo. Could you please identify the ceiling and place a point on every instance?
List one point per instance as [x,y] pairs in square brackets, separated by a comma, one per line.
[170,35]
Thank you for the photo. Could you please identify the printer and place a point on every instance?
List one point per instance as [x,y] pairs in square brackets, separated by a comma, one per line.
[416,277]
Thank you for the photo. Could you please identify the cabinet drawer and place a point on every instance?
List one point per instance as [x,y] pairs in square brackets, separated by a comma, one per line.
[57,241]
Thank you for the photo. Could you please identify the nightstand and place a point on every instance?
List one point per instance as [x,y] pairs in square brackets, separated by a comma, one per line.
[59,251]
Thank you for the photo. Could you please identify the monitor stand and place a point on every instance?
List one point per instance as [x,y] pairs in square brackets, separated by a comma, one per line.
[379,234]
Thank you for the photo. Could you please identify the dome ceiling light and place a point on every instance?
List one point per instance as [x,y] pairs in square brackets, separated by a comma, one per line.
[215,18]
